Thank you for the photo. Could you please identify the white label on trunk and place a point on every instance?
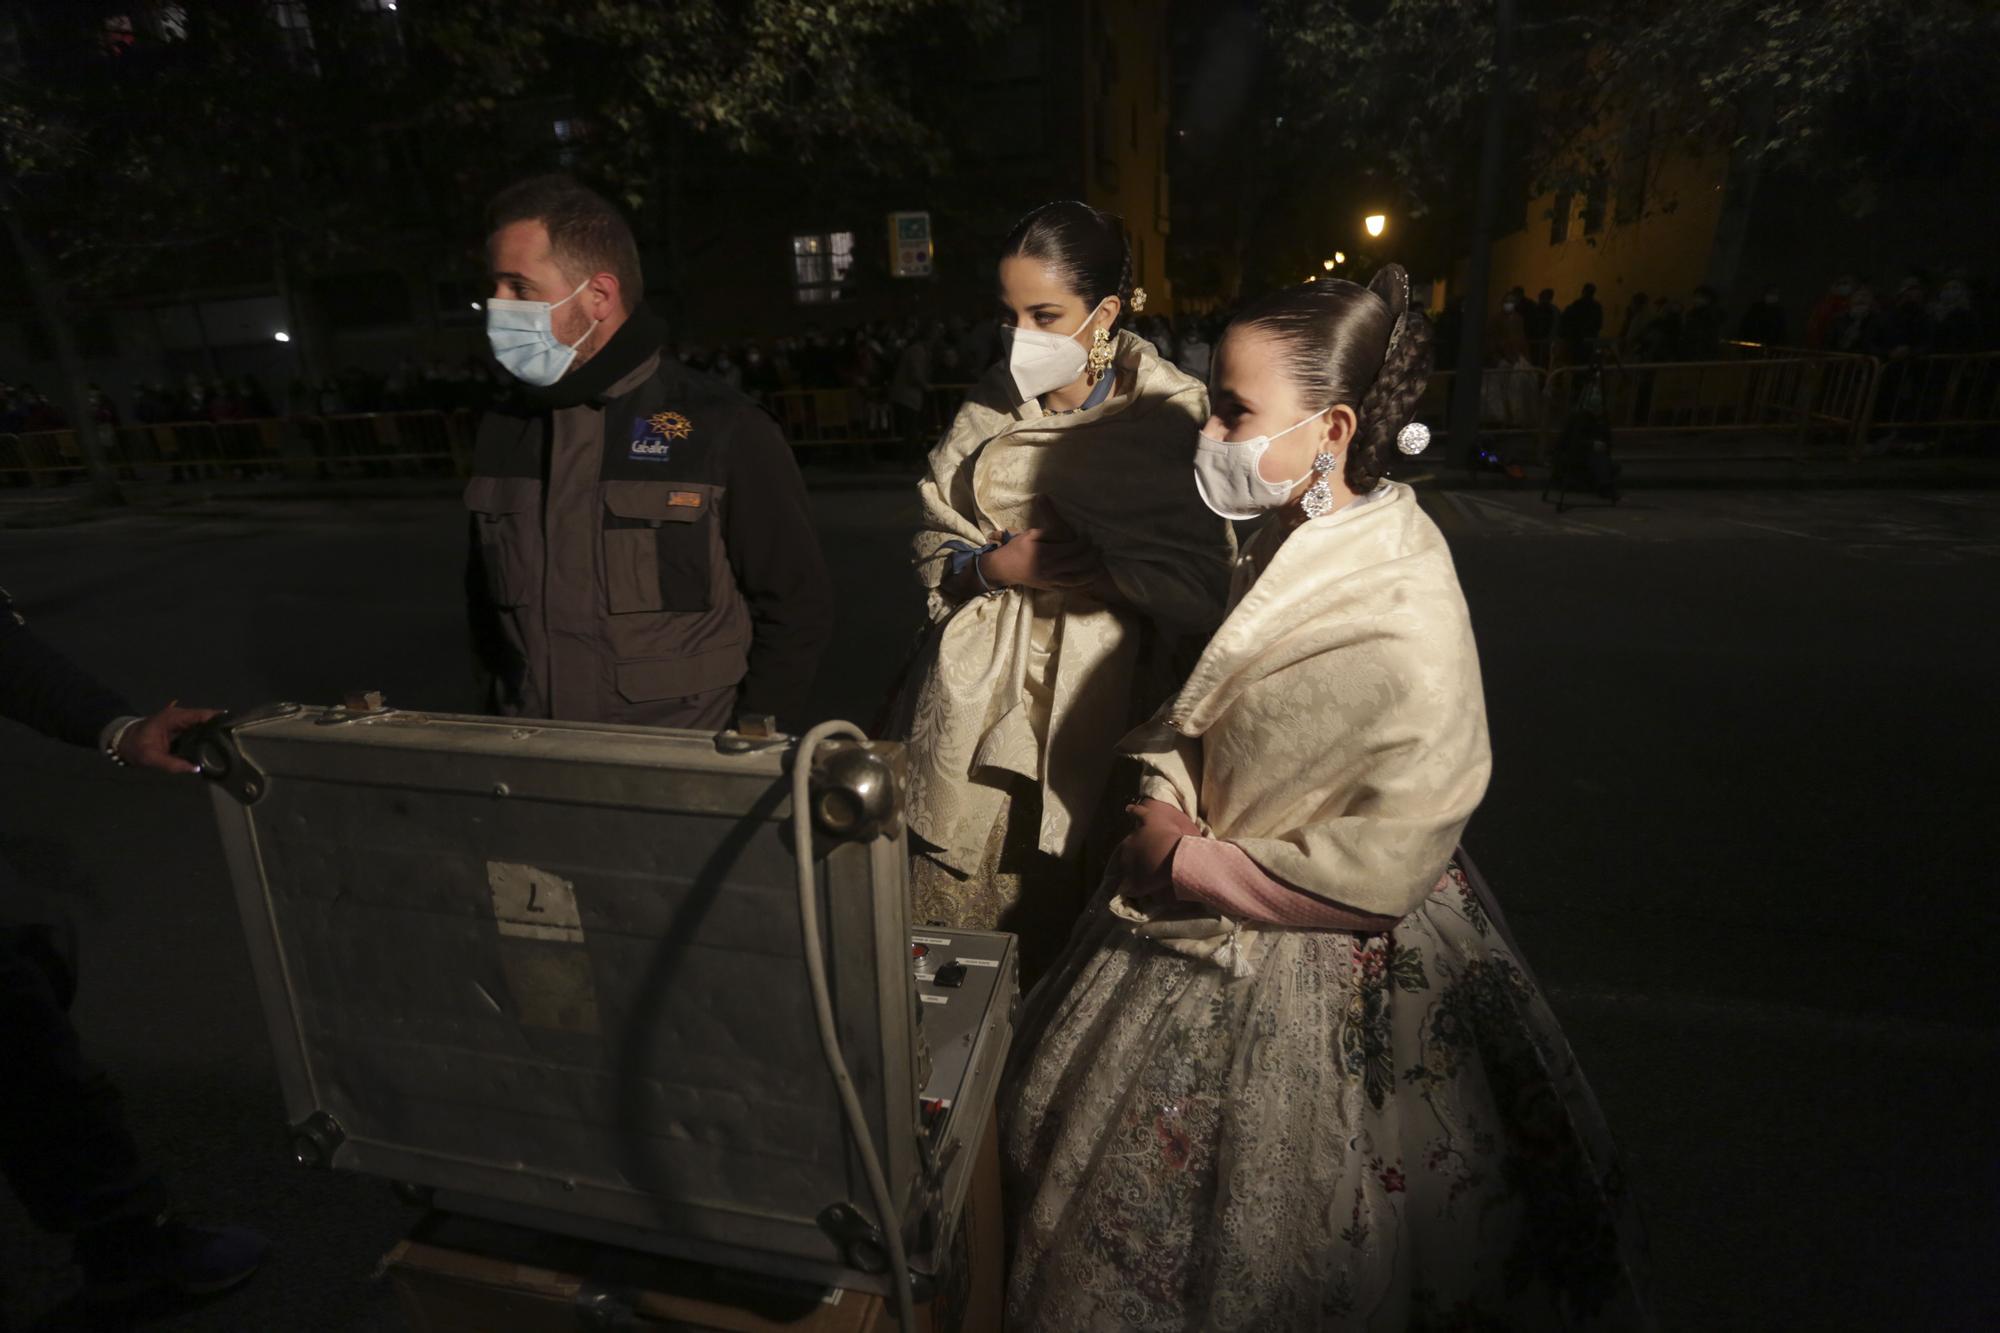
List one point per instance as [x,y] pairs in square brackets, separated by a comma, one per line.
[530,903]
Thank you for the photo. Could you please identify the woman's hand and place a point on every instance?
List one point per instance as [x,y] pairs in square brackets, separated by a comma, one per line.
[1038,558]
[1146,856]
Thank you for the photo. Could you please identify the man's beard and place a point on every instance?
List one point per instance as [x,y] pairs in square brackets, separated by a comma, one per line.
[585,349]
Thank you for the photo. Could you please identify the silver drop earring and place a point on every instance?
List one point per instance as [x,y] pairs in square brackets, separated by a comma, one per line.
[1319,496]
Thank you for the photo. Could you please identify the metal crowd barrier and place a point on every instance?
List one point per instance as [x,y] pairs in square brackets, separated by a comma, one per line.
[1757,398]
[378,443]
[1925,402]
[813,417]
[374,443]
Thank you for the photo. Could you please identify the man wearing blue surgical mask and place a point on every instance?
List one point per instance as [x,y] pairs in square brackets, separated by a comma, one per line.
[641,546]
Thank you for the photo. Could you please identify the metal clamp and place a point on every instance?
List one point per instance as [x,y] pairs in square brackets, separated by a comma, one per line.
[316,1138]
[861,1242]
[601,1306]
[211,747]
[857,789]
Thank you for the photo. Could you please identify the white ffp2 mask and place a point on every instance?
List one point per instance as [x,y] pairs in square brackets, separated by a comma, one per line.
[1040,361]
[1229,476]
[523,337]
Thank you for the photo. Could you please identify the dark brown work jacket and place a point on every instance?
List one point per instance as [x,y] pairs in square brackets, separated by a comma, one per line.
[646,556]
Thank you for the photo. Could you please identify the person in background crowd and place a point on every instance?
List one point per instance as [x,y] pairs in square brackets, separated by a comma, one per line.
[1764,322]
[1195,353]
[1906,327]
[1541,317]
[1954,322]
[760,374]
[724,368]
[977,347]
[64,1143]
[1580,324]
[1632,331]
[1860,329]
[1290,1072]
[102,410]
[642,550]
[41,413]
[909,386]
[1828,312]
[1701,330]
[1507,335]
[1508,389]
[1065,555]
[1660,339]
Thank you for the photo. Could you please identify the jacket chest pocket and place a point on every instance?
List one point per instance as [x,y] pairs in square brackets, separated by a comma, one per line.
[507,514]
[658,539]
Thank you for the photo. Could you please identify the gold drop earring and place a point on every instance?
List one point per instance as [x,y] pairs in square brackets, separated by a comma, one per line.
[1100,354]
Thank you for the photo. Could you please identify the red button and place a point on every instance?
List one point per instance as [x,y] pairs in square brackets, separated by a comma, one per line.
[919,950]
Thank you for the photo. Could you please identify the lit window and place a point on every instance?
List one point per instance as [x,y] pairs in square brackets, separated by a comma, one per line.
[819,265]
[294,31]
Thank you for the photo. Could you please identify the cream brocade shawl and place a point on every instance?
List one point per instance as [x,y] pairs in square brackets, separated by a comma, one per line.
[1039,684]
[1334,728]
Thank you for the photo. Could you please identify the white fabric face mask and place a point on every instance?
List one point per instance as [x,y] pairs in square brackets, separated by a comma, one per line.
[523,337]
[1040,361]
[1229,476]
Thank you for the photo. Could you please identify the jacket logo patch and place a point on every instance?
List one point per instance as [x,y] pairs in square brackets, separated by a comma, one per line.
[672,425]
[684,499]
[648,445]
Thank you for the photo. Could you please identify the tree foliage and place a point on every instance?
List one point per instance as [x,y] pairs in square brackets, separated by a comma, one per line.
[166,129]
[1813,85]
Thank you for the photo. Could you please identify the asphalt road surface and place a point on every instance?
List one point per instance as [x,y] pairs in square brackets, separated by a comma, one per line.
[1741,818]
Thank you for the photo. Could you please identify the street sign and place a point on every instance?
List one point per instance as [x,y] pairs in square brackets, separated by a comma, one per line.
[910,245]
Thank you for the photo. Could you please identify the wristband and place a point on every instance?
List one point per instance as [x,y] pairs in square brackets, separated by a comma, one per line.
[985,589]
[113,736]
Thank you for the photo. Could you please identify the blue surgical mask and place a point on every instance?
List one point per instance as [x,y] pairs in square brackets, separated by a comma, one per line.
[523,335]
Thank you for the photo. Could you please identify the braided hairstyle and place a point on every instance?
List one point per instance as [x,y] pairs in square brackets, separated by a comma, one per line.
[1359,347]
[1084,248]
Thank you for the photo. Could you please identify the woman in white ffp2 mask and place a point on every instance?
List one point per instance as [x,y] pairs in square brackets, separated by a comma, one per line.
[1065,555]
[1290,1071]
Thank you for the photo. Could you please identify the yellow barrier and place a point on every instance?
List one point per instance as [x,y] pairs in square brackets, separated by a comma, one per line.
[1753,395]
[811,417]
[41,457]
[380,441]
[1785,403]
[1923,400]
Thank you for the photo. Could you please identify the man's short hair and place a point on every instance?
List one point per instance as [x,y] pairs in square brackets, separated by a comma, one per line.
[586,234]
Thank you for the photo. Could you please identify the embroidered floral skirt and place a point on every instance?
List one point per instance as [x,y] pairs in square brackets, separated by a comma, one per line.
[1382,1132]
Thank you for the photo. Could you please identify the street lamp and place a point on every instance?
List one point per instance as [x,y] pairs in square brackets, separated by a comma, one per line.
[1339,257]
[1374,222]
[282,336]
[1328,264]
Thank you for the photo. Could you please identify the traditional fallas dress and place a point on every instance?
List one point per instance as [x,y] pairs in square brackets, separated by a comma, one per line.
[1215,1125]
[1017,700]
